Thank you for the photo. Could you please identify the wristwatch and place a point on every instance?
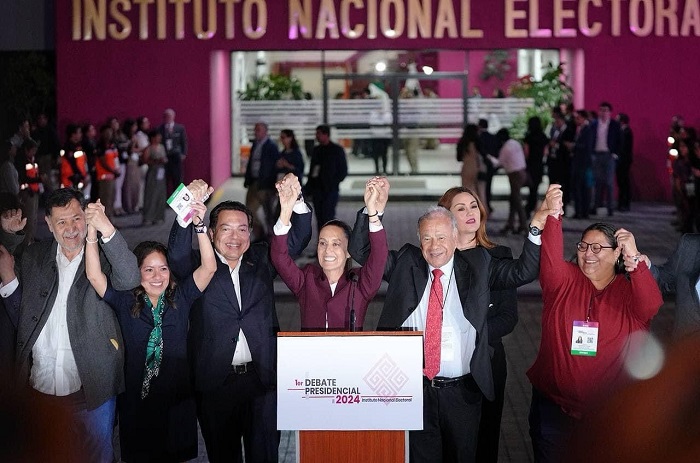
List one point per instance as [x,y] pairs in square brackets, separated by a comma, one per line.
[534,231]
[200,228]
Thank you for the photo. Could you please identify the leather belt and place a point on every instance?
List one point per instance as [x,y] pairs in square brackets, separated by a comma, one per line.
[242,368]
[440,382]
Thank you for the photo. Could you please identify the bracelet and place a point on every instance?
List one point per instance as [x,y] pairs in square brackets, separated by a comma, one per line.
[373,215]
[375,221]
[91,241]
[637,257]
[201,228]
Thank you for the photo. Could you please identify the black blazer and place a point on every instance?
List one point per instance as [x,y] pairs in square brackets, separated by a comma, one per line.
[216,317]
[614,135]
[678,276]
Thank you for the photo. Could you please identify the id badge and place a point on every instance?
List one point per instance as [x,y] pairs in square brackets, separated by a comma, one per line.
[584,338]
[447,348]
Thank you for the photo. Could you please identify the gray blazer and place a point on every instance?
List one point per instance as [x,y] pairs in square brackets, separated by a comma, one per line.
[92,325]
[678,276]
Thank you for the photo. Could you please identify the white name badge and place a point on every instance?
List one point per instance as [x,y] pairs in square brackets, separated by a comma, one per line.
[447,348]
[584,338]
[180,201]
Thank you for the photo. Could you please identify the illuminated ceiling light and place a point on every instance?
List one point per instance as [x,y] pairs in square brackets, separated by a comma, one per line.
[673,152]
[428,70]
[380,66]
[671,140]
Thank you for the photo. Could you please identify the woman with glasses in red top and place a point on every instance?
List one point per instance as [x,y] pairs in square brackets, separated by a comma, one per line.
[591,308]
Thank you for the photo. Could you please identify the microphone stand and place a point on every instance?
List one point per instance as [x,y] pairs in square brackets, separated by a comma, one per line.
[353,283]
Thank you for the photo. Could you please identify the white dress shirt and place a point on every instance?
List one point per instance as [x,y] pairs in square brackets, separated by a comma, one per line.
[458,335]
[54,370]
[601,141]
[242,353]
[511,156]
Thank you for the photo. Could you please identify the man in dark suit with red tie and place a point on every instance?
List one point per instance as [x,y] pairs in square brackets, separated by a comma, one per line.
[457,365]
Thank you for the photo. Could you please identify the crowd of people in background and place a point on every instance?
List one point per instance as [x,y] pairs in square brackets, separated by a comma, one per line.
[587,152]
[131,167]
[684,168]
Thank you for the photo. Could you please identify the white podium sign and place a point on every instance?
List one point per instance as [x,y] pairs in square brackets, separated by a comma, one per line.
[368,381]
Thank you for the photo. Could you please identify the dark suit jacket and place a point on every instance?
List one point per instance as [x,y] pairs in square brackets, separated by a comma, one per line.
[614,135]
[216,317]
[92,325]
[8,332]
[476,273]
[582,153]
[178,137]
[626,146]
[678,276]
[268,171]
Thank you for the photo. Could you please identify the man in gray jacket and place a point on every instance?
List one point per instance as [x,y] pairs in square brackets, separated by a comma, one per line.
[70,352]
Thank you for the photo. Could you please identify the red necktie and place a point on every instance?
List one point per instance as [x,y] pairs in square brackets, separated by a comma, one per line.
[432,341]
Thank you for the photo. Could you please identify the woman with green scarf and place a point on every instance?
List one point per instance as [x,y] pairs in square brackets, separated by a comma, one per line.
[157,415]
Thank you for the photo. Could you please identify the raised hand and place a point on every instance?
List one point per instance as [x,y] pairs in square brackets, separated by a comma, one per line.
[371,196]
[552,204]
[630,254]
[95,216]
[200,189]
[200,211]
[12,221]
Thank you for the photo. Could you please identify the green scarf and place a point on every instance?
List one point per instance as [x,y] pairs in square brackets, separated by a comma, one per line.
[154,349]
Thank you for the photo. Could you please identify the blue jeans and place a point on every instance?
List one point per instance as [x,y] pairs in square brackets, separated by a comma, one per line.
[89,431]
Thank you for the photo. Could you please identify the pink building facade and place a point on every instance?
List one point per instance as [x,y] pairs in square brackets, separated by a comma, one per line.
[138,57]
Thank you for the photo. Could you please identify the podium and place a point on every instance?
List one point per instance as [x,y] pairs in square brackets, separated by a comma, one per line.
[351,396]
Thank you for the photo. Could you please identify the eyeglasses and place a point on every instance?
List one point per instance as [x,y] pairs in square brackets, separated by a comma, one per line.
[582,246]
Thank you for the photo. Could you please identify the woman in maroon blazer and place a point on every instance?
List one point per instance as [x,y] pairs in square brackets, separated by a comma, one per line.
[327,292]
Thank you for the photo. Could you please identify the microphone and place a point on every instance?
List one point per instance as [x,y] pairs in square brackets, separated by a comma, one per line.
[353,283]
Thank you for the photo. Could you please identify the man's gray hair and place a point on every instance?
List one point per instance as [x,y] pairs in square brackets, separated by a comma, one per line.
[435,212]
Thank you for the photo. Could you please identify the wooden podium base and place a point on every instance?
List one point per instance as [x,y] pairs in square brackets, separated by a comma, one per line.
[352,446]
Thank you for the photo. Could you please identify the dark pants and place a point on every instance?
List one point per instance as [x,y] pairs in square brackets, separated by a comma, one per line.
[581,190]
[241,408]
[450,424]
[173,172]
[624,196]
[380,147]
[604,173]
[491,412]
[324,206]
[517,181]
[550,429]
